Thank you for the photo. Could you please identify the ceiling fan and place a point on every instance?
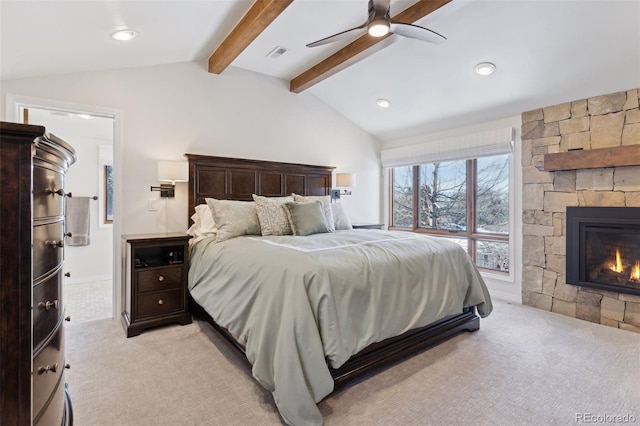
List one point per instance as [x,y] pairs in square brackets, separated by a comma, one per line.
[380,24]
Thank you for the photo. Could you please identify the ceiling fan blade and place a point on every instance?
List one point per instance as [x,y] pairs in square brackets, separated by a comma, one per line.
[336,37]
[417,32]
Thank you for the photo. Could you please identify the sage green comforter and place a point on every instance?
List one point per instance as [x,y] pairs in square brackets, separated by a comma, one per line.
[298,303]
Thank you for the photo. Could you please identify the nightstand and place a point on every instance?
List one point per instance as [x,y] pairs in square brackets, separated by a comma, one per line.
[367,225]
[154,282]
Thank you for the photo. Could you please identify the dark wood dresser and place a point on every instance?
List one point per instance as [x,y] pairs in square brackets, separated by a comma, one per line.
[32,226]
[154,282]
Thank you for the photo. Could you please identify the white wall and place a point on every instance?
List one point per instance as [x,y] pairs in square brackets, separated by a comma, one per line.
[171,110]
[163,112]
[508,288]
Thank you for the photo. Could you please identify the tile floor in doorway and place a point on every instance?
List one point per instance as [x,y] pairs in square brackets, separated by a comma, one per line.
[88,301]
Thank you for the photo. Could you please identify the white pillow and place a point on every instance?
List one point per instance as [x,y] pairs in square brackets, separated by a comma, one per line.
[273,218]
[340,217]
[234,218]
[325,200]
[203,223]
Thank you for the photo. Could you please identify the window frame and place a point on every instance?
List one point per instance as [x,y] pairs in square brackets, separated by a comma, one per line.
[470,233]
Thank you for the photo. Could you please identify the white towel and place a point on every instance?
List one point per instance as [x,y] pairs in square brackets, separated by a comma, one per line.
[78,221]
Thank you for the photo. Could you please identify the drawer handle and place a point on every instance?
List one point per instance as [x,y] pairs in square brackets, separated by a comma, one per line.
[160,278]
[160,301]
[60,192]
[67,366]
[45,370]
[68,234]
[67,274]
[54,243]
[68,318]
[48,305]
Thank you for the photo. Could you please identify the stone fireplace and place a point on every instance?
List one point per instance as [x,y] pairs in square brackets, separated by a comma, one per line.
[584,153]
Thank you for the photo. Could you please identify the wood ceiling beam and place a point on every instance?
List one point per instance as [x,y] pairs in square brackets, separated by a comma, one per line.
[256,20]
[361,48]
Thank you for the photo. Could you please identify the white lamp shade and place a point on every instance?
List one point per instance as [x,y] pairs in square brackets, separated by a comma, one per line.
[345,180]
[174,171]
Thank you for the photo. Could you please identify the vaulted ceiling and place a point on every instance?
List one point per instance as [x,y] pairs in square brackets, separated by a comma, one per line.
[546,52]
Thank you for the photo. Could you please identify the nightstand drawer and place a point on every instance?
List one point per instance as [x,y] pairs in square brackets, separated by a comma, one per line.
[160,303]
[156,279]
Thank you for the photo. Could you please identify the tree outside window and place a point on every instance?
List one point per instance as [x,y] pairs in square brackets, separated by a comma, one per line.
[466,200]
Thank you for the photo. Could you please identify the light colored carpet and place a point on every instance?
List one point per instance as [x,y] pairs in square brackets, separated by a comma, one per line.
[524,366]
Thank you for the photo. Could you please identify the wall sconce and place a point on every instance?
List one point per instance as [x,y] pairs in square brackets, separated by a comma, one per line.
[343,180]
[171,171]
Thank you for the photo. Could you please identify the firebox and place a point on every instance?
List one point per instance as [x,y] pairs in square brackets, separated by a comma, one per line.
[603,248]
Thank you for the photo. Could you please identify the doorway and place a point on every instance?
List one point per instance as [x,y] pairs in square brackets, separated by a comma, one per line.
[88,290]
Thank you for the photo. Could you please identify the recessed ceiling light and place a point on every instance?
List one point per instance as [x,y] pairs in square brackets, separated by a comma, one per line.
[124,35]
[485,68]
[383,103]
[85,116]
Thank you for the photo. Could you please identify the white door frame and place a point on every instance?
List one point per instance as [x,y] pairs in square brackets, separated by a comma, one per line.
[13,104]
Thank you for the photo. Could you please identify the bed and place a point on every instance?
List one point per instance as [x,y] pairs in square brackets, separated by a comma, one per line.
[298,309]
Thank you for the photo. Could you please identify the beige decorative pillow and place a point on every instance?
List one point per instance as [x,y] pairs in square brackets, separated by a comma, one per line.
[273,219]
[234,218]
[325,201]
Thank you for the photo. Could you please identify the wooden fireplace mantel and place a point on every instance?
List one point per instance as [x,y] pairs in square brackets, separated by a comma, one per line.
[627,155]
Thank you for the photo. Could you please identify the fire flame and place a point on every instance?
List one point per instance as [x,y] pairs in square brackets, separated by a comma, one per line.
[617,267]
[635,273]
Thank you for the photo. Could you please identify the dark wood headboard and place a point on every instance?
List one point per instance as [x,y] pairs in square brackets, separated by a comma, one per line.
[238,178]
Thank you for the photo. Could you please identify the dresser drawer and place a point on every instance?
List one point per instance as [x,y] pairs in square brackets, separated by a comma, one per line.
[160,303]
[48,366]
[54,412]
[47,248]
[46,202]
[47,307]
[156,279]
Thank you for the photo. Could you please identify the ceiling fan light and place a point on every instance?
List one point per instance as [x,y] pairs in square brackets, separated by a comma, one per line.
[378,28]
[485,68]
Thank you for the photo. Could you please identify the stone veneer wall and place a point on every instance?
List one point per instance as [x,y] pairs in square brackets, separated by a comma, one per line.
[599,122]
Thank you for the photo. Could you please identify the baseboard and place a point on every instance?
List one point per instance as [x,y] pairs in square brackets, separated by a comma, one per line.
[86,279]
[505,296]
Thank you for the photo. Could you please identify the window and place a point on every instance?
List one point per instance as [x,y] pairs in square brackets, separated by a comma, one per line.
[442,195]
[403,196]
[465,200]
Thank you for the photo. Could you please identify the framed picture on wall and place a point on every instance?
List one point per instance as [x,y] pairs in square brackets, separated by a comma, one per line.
[108,194]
